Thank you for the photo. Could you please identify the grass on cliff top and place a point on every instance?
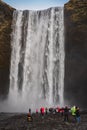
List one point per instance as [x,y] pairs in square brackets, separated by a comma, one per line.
[3,4]
[78,10]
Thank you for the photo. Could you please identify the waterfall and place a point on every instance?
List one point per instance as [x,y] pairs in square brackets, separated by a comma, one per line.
[37,59]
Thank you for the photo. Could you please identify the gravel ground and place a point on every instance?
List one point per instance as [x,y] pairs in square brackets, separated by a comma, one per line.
[18,121]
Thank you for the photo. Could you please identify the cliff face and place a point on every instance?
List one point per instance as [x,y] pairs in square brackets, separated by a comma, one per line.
[6,13]
[75,12]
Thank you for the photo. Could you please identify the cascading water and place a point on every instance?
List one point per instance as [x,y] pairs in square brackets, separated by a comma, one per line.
[37,59]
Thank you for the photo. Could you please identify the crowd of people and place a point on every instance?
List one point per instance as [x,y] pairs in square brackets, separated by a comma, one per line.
[64,111]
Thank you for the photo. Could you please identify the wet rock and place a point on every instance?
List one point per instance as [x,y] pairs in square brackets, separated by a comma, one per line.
[49,122]
[75,19]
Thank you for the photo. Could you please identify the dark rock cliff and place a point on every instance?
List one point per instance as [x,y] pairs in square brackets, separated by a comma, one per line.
[75,13]
[6,13]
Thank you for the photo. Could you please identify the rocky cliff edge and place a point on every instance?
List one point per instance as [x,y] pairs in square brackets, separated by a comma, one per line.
[6,13]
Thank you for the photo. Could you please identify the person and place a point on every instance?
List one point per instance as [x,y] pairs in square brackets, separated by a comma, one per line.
[42,110]
[29,117]
[62,111]
[51,110]
[46,110]
[77,115]
[58,109]
[73,112]
[66,113]
[36,111]
[30,110]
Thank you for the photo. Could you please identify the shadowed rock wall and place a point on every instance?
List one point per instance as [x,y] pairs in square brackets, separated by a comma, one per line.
[6,13]
[75,12]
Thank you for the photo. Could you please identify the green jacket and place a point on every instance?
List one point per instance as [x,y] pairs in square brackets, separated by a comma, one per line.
[73,111]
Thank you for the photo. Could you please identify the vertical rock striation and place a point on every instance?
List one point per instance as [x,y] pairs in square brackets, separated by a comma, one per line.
[6,13]
[76,52]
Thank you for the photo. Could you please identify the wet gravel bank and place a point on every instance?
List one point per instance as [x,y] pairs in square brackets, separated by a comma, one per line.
[18,121]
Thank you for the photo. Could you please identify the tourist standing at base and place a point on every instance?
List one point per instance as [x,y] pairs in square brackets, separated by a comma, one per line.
[73,112]
[42,110]
[66,113]
[30,110]
[77,115]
